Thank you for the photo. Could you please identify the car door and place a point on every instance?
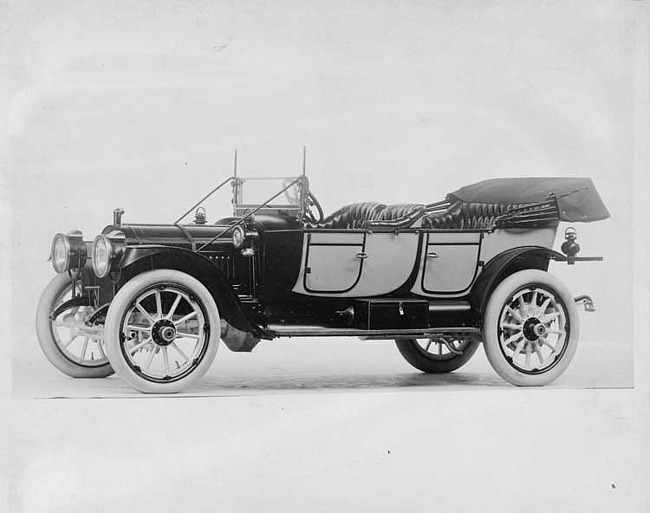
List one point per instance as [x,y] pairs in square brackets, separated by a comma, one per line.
[333,261]
[356,263]
[449,263]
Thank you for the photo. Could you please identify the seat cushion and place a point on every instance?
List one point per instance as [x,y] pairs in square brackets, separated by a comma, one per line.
[357,215]
[351,216]
[466,216]
[396,212]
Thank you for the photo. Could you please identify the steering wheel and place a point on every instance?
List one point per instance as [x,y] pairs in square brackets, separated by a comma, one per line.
[312,203]
[292,194]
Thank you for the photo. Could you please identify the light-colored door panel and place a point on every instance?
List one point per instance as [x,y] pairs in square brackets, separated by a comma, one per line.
[332,268]
[389,263]
[449,268]
[356,264]
[449,263]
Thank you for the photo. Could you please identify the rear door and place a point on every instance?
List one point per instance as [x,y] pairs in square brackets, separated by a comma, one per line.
[449,263]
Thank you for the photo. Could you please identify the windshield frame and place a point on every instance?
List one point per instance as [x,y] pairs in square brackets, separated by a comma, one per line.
[296,210]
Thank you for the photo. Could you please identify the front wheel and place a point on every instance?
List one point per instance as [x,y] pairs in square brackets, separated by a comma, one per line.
[437,355]
[68,340]
[530,328]
[162,331]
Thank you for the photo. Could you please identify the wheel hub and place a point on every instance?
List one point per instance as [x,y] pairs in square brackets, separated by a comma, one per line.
[163,332]
[534,329]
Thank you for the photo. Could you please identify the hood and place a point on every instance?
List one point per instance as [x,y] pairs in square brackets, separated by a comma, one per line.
[171,234]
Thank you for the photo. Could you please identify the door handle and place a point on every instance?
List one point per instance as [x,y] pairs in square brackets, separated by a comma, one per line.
[432,255]
[362,256]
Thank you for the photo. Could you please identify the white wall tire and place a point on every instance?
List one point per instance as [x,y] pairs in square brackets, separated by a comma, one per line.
[162,332]
[62,340]
[530,328]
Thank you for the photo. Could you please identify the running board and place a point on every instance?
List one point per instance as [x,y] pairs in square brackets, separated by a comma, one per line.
[280,330]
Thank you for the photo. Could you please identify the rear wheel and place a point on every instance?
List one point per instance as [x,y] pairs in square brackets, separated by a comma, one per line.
[530,328]
[162,331]
[437,355]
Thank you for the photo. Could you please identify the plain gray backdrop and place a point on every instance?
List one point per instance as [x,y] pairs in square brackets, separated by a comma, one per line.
[140,105]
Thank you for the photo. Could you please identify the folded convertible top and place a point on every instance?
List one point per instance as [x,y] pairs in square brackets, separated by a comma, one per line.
[578,200]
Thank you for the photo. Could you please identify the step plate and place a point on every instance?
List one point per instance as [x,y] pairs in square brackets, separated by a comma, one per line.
[279,330]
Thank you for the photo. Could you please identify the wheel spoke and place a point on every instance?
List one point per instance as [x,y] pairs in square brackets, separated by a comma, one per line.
[187,335]
[145,313]
[509,326]
[522,304]
[101,349]
[528,353]
[533,300]
[158,305]
[548,344]
[439,348]
[518,349]
[550,317]
[547,301]
[429,345]
[556,332]
[512,339]
[151,356]
[139,346]
[515,314]
[180,351]
[186,318]
[83,350]
[540,356]
[71,341]
[174,305]
[137,328]
[166,360]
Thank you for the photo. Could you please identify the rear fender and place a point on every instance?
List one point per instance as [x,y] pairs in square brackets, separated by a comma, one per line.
[139,259]
[502,266]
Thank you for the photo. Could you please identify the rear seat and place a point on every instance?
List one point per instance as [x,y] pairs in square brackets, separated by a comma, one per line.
[466,216]
[458,216]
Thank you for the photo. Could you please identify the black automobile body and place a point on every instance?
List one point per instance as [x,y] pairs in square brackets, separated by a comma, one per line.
[445,275]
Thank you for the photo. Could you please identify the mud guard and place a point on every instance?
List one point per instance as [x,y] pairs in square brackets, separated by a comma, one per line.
[502,266]
[138,259]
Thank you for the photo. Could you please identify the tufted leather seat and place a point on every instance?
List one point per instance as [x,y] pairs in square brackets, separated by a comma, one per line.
[457,216]
[357,215]
[395,212]
[467,216]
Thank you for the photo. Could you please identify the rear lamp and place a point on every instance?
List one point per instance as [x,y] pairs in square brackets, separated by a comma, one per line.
[107,250]
[68,251]
[570,247]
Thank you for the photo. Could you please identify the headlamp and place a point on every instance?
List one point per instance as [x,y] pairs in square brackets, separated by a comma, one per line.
[68,251]
[106,252]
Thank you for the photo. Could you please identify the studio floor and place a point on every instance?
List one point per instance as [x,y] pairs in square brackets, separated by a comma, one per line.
[291,366]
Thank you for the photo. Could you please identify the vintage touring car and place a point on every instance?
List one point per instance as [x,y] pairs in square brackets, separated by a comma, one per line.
[151,302]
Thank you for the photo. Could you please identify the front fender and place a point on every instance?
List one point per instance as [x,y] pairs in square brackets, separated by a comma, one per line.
[502,266]
[139,259]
